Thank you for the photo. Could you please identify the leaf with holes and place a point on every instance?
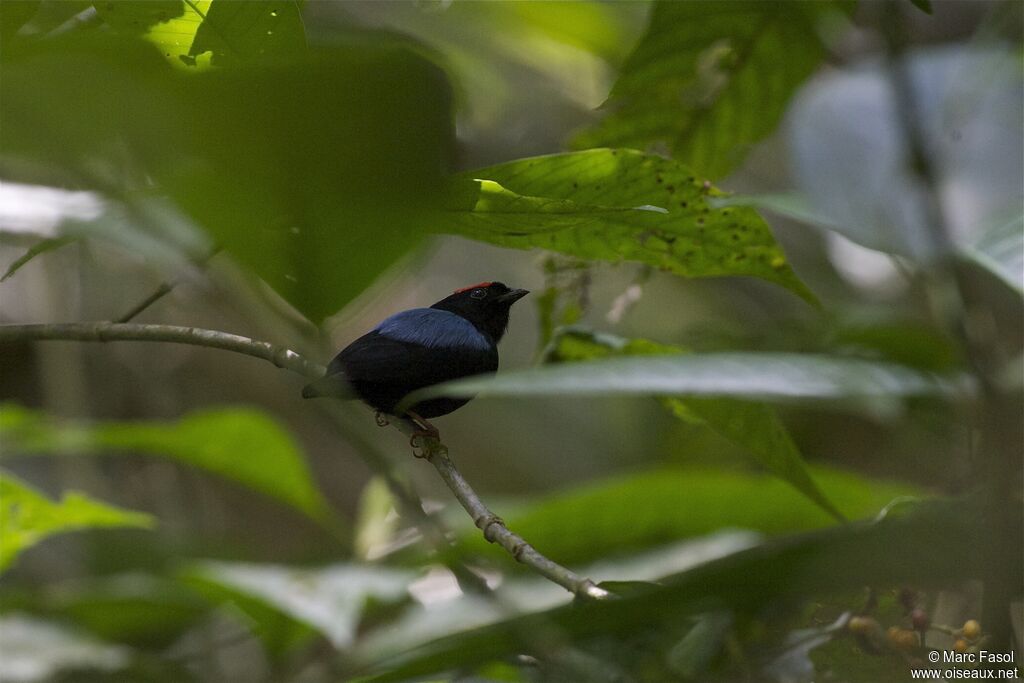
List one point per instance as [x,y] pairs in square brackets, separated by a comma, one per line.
[612,205]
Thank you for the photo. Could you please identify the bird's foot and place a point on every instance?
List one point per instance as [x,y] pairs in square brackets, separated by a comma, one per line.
[425,439]
[381,418]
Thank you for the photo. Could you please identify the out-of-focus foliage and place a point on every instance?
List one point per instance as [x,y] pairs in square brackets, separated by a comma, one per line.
[317,150]
[754,426]
[832,561]
[709,79]
[305,205]
[210,440]
[646,510]
[871,386]
[27,516]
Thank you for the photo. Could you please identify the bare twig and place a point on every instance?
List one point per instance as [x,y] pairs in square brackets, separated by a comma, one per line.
[494,530]
[160,292]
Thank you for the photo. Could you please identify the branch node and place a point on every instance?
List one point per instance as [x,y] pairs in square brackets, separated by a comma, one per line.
[485,522]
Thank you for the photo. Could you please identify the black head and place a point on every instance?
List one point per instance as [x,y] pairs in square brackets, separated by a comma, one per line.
[485,305]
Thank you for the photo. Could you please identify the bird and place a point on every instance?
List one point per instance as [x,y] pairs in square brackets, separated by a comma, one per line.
[456,337]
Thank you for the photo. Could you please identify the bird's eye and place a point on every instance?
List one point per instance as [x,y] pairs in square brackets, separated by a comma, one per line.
[478,294]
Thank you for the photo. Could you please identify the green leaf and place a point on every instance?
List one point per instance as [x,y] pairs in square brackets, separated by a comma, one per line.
[923,5]
[131,608]
[937,543]
[776,377]
[709,79]
[14,15]
[1000,250]
[753,426]
[248,31]
[329,600]
[242,445]
[39,650]
[642,511]
[323,209]
[613,205]
[200,33]
[28,517]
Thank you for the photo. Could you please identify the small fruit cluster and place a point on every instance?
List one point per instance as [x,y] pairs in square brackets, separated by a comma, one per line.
[910,641]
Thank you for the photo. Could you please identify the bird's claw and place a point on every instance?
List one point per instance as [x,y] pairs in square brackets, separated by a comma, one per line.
[426,444]
[381,418]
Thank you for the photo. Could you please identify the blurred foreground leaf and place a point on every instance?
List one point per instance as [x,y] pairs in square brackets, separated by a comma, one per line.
[709,79]
[312,171]
[243,445]
[133,608]
[932,544]
[775,377]
[753,426]
[612,205]
[28,517]
[37,650]
[626,514]
[330,600]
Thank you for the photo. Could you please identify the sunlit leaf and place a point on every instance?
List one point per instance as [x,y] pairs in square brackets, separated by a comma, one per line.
[28,517]
[199,33]
[246,31]
[243,445]
[753,426]
[645,510]
[613,205]
[709,79]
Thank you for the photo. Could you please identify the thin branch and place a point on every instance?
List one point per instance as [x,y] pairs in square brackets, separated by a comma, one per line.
[493,527]
[163,290]
[280,356]
[494,530]
[159,293]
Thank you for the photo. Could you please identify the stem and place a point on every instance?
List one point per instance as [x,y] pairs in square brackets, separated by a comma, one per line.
[493,528]
[971,320]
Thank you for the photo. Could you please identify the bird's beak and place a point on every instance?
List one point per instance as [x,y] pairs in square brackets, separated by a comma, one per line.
[513,296]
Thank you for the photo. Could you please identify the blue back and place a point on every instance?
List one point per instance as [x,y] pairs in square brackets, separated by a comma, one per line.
[433,328]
